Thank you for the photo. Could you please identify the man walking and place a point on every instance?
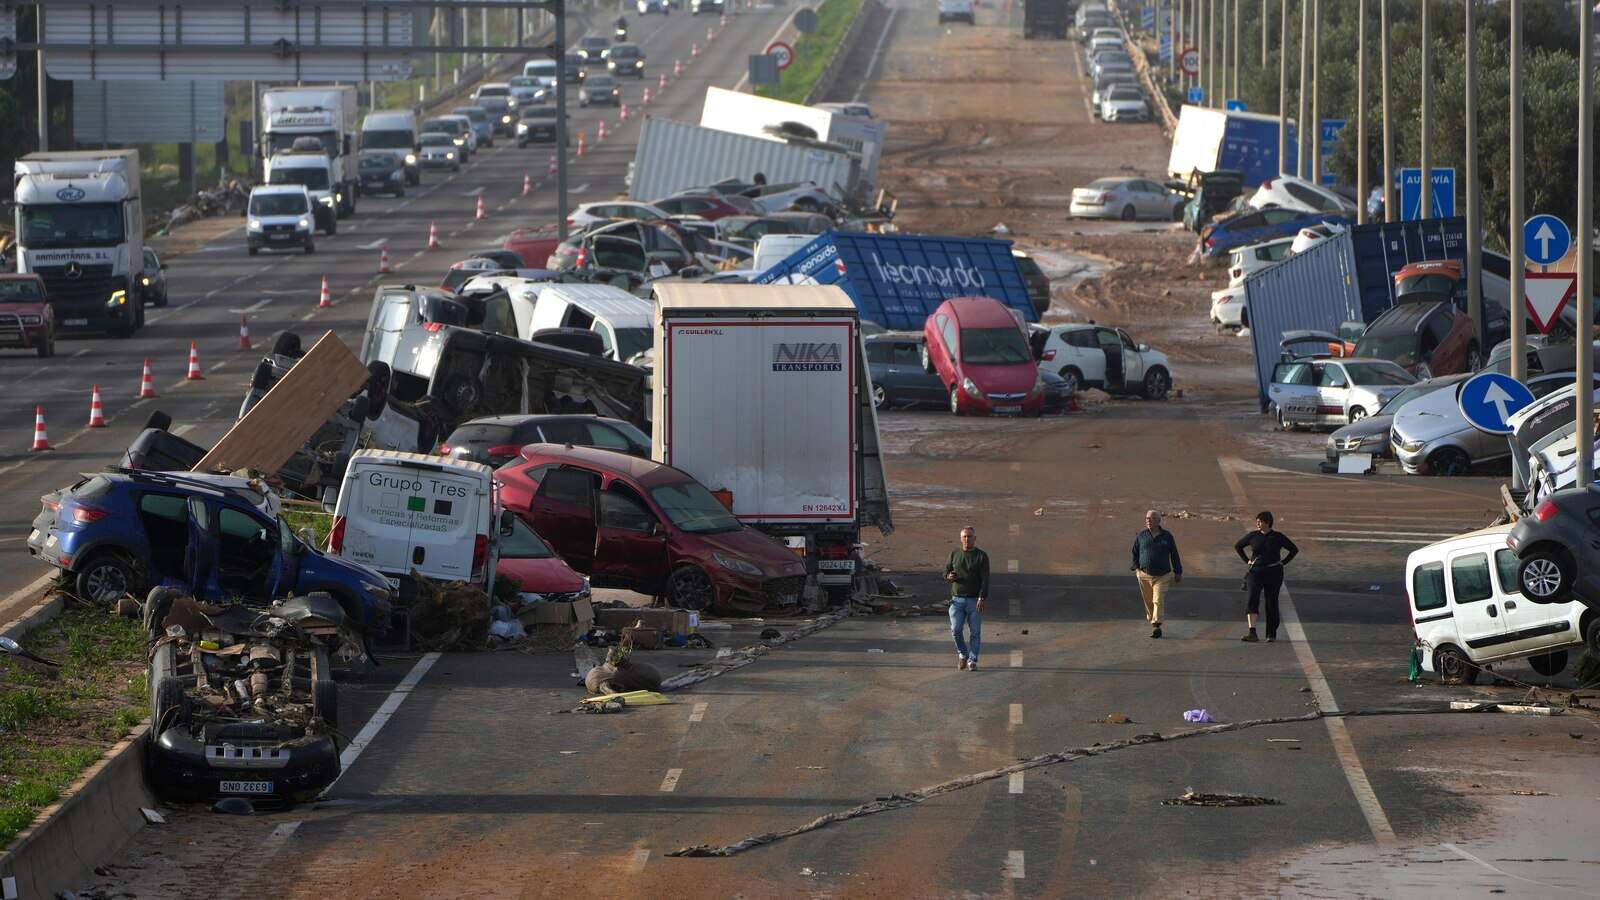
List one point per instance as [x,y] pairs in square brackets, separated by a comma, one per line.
[1156,565]
[968,574]
[1264,577]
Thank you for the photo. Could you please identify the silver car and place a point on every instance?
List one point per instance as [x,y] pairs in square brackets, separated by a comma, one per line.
[1371,435]
[1126,198]
[1333,392]
[1124,103]
[1431,437]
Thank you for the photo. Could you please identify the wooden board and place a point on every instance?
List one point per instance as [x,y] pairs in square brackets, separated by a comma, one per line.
[282,421]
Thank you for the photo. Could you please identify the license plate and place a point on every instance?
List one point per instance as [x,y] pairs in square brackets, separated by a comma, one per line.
[1008,410]
[74,322]
[246,787]
[837,565]
[279,237]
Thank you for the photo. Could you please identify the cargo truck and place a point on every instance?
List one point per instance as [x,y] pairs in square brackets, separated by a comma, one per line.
[763,395]
[898,280]
[1210,139]
[80,227]
[326,113]
[778,120]
[1046,18]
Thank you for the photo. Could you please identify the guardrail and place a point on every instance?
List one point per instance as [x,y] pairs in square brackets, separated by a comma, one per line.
[1155,90]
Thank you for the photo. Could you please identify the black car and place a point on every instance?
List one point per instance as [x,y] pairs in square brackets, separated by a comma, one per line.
[382,172]
[626,59]
[1058,393]
[1558,552]
[496,440]
[898,378]
[1037,281]
[154,279]
[592,50]
[537,125]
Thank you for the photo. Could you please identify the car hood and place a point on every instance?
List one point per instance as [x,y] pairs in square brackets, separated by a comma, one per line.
[1430,416]
[1009,379]
[541,576]
[1365,428]
[774,559]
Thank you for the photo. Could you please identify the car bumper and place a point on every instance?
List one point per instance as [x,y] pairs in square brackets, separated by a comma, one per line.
[1087,211]
[182,768]
[27,337]
[1000,406]
[382,186]
[91,318]
[1413,462]
[277,239]
[736,591]
[547,136]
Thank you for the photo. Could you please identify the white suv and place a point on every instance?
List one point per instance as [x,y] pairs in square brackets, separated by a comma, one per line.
[1090,355]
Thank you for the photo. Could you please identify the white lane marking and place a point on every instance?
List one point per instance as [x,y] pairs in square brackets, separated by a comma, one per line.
[1088,110]
[308,316]
[1014,864]
[1011,566]
[698,714]
[1464,854]
[1014,529]
[637,863]
[281,834]
[1016,659]
[1016,714]
[1016,782]
[184,429]
[381,718]
[259,304]
[579,189]
[375,244]
[86,349]
[1340,540]
[670,783]
[1016,607]
[475,192]
[217,366]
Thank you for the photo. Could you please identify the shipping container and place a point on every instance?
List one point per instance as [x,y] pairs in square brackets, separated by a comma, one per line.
[769,119]
[898,280]
[677,156]
[1210,139]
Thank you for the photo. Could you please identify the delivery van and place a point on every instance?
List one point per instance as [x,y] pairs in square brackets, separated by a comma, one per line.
[402,512]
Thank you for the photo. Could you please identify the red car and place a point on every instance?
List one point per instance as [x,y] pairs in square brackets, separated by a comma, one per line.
[527,558]
[633,523]
[26,319]
[710,207]
[976,347]
[533,246]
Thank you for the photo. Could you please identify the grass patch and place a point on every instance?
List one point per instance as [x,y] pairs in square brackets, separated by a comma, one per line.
[55,723]
[309,516]
[813,52]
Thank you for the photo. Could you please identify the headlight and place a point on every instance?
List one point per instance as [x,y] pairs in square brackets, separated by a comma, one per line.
[505,120]
[118,298]
[33,320]
[381,592]
[450,155]
[638,64]
[411,159]
[1409,445]
[611,64]
[303,224]
[971,389]
[736,564]
[253,225]
[144,280]
[522,128]
[459,141]
[339,197]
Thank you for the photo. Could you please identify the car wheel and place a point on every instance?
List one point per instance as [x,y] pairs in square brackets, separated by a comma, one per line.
[1546,575]
[691,588]
[168,700]
[106,578]
[1454,667]
[1449,461]
[1073,379]
[927,361]
[955,402]
[460,393]
[1177,213]
[880,397]
[1129,213]
[287,343]
[47,348]
[1591,636]
[1357,414]
[324,693]
[1549,664]
[1283,422]
[1156,384]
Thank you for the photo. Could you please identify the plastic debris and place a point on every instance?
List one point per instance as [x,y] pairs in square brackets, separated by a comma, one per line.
[631,698]
[153,817]
[874,649]
[1115,719]
[1191,797]
[1199,717]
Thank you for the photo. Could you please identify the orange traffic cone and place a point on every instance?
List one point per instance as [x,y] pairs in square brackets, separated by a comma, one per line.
[97,413]
[326,299]
[661,83]
[710,35]
[527,184]
[41,441]
[552,170]
[479,215]
[383,260]
[244,333]
[677,68]
[580,145]
[694,49]
[646,97]
[600,132]
[194,364]
[433,235]
[147,382]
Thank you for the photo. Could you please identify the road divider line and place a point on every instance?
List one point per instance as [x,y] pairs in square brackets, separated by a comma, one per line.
[670,783]
[1014,529]
[79,353]
[637,863]
[1016,714]
[1016,659]
[1016,607]
[1014,861]
[698,714]
[375,244]
[386,711]
[1016,782]
[1345,540]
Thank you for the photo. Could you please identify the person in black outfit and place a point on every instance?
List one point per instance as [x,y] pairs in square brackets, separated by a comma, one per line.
[1261,550]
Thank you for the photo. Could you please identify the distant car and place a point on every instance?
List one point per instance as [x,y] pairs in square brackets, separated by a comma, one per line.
[750,229]
[1323,392]
[460,130]
[538,125]
[1104,83]
[588,215]
[600,90]
[483,126]
[696,7]
[592,50]
[497,440]
[463,270]
[1109,61]
[440,151]
[665,253]
[1371,434]
[957,11]
[1125,103]
[626,59]
[1312,235]
[526,90]
[647,7]
[1095,356]
[496,98]
[1126,199]
[1220,238]
[981,355]
[1091,19]
[1290,192]
[154,279]
[1037,281]
[853,109]
[1557,557]
[281,215]
[898,378]
[796,196]
[710,207]
[26,319]
[382,172]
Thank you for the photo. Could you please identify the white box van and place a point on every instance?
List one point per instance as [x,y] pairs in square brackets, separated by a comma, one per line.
[775,248]
[403,511]
[1467,611]
[624,322]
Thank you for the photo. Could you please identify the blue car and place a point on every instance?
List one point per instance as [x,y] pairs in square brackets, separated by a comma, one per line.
[218,537]
[1221,238]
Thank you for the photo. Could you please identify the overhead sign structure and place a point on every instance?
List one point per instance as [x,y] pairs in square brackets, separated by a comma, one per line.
[783,53]
[1189,61]
[1489,399]
[1197,94]
[1234,105]
[1545,239]
[148,112]
[1546,294]
[1444,194]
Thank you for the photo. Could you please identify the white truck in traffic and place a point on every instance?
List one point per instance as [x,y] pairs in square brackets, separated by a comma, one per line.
[293,118]
[762,392]
[80,227]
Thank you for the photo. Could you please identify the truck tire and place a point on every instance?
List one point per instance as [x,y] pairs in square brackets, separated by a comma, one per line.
[156,607]
[159,421]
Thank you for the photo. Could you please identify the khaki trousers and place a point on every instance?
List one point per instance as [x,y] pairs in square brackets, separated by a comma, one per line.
[1153,588]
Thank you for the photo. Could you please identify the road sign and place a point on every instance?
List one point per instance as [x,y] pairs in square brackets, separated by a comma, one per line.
[805,20]
[1166,46]
[8,34]
[1545,239]
[1234,105]
[1189,61]
[781,52]
[148,112]
[1488,399]
[1444,194]
[1545,293]
[763,69]
[1197,94]
[1147,18]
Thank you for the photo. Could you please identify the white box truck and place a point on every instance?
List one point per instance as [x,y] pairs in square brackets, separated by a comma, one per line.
[762,392]
[776,120]
[324,112]
[80,227]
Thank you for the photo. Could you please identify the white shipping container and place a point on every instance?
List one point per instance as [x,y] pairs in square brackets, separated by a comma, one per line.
[674,156]
[761,117]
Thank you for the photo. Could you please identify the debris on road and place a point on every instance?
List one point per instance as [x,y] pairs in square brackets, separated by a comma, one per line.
[1199,716]
[1191,797]
[621,674]
[449,615]
[1114,719]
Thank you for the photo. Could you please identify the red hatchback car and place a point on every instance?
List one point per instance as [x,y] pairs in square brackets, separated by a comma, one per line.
[633,523]
[978,350]
[26,320]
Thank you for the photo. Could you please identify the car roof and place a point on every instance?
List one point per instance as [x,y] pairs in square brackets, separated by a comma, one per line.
[278,189]
[648,473]
[894,336]
[623,309]
[246,490]
[1403,318]
[980,312]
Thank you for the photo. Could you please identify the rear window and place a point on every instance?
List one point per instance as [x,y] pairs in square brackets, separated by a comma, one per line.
[1379,376]
[485,433]
[1427,587]
[91,488]
[523,543]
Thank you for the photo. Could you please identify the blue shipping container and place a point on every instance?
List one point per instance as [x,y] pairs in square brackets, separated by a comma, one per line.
[898,280]
[1250,147]
[1383,248]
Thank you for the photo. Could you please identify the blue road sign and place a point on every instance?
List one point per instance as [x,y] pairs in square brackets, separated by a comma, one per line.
[1488,399]
[1444,194]
[1197,95]
[1166,47]
[1235,105]
[1147,18]
[1545,239]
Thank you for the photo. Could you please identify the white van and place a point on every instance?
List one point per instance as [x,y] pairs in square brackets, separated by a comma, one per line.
[542,69]
[1467,610]
[775,248]
[623,321]
[399,512]
[394,129]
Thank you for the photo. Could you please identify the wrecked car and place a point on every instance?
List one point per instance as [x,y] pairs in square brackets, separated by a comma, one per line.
[242,699]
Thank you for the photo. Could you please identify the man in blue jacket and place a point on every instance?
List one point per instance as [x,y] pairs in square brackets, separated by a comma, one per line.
[1156,565]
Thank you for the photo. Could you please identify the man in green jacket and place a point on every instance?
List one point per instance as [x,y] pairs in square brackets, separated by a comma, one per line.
[968,574]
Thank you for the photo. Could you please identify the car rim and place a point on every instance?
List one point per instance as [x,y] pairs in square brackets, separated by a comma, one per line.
[1452,665]
[1542,577]
[1158,384]
[106,583]
[879,396]
[1070,381]
[692,590]
[1451,464]
[1357,415]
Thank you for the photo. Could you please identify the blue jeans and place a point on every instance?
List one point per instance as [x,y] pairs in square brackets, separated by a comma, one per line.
[964,614]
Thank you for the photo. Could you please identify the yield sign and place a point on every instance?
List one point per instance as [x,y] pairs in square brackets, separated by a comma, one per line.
[1546,293]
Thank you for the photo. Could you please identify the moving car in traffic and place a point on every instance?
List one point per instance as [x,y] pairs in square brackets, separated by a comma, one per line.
[26,319]
[280,216]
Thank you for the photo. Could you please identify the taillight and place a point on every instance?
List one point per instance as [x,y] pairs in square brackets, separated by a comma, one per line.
[1105,198]
[583,257]
[504,451]
[444,450]
[1267,184]
[1211,242]
[1049,354]
[336,536]
[480,551]
[52,505]
[1545,511]
[833,551]
[83,515]
[433,326]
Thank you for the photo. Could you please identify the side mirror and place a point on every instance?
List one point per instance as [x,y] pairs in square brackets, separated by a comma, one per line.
[1144,348]
[507,520]
[307,536]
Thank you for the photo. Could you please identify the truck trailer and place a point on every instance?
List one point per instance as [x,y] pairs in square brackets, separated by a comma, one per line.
[326,113]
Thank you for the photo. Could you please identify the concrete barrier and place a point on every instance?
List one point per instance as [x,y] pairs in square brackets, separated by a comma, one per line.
[91,822]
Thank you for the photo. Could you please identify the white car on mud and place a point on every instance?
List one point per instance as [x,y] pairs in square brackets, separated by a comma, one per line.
[1090,355]
[1336,392]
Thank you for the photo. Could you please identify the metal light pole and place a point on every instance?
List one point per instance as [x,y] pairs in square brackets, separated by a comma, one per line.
[1283,88]
[1222,58]
[1302,166]
[1236,5]
[1211,53]
[1425,208]
[1361,111]
[1174,14]
[1585,237]
[559,10]
[42,88]
[1390,214]
[1263,34]
[1316,92]
[1474,195]
[483,33]
[1519,262]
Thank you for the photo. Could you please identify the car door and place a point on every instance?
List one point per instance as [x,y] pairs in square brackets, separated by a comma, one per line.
[1294,391]
[200,555]
[1133,365]
[1333,389]
[1479,624]
[563,513]
[908,379]
[1081,351]
[247,552]
[1529,626]
[1110,343]
[1152,200]
[630,545]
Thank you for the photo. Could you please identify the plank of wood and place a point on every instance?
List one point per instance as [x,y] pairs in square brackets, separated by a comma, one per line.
[282,421]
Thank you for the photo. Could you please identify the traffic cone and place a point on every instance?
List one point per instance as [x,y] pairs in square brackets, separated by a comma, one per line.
[194,364]
[479,214]
[580,145]
[622,111]
[600,132]
[41,441]
[646,96]
[147,382]
[326,299]
[433,235]
[694,49]
[552,169]
[661,83]
[722,22]
[97,413]
[244,333]
[527,184]
[710,35]
[677,68]
[383,260]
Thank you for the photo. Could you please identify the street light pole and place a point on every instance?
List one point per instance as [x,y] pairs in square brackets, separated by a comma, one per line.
[1387,175]
[1585,381]
[1302,166]
[1361,111]
[1236,43]
[42,88]
[1316,92]
[1222,58]
[1211,53]
[1283,88]
[1474,195]
[1519,262]
[1425,208]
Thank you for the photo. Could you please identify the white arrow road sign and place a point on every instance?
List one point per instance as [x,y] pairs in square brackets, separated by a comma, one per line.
[1546,293]
[1498,398]
[1543,237]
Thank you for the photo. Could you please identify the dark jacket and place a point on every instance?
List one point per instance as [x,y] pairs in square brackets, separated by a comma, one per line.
[971,568]
[1156,554]
[1265,549]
